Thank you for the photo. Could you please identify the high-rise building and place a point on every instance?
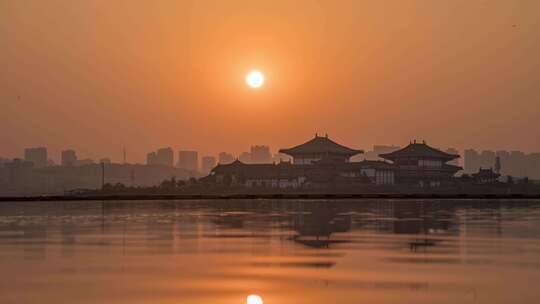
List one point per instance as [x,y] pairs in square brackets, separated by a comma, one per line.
[487,159]
[207,164]
[504,161]
[68,158]
[497,167]
[514,163]
[225,158]
[38,156]
[151,158]
[260,155]
[471,161]
[165,156]
[518,164]
[245,157]
[188,160]
[534,165]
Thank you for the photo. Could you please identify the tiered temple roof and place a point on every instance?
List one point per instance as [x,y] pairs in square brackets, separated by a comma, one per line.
[419,150]
[320,145]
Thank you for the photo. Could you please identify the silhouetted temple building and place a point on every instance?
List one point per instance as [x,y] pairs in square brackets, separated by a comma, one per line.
[421,165]
[317,163]
[317,148]
[237,173]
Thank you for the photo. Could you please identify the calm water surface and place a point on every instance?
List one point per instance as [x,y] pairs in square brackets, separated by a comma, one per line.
[366,251]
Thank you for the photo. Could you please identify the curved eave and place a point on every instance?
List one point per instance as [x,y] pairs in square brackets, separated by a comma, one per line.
[392,157]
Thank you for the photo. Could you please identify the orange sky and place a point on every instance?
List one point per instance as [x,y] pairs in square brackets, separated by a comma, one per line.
[99,75]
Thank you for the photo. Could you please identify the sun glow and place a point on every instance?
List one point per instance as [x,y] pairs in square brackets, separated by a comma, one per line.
[254,299]
[255,79]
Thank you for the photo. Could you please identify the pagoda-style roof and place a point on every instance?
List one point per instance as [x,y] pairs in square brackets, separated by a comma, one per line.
[320,145]
[419,150]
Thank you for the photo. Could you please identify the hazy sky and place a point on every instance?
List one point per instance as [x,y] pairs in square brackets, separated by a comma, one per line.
[102,74]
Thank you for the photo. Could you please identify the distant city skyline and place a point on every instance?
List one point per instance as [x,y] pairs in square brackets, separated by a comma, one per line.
[382,165]
[370,153]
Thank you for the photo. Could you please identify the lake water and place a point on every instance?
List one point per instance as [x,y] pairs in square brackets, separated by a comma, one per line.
[284,251]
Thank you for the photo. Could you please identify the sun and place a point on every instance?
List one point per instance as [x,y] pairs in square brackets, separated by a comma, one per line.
[254,299]
[255,79]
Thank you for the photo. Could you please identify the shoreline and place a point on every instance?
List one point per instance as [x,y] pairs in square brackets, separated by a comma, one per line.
[288,196]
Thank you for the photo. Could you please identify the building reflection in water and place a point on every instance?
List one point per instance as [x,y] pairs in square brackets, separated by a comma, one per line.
[289,251]
[317,222]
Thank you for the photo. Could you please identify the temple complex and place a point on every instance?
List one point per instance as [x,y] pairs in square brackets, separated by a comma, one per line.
[421,165]
[318,163]
[322,163]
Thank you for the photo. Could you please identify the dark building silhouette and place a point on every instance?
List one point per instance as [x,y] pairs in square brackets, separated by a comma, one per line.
[475,160]
[517,164]
[471,161]
[207,164]
[151,158]
[21,177]
[225,158]
[534,165]
[260,155]
[421,165]
[317,148]
[513,163]
[497,168]
[453,151]
[68,158]
[38,156]
[188,160]
[163,157]
[486,176]
[17,175]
